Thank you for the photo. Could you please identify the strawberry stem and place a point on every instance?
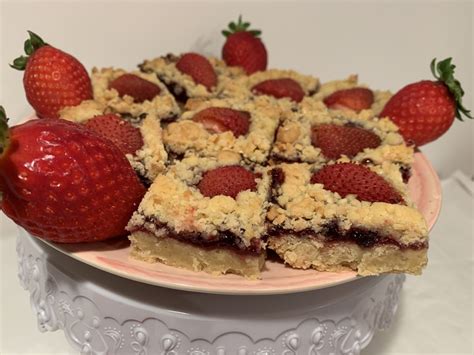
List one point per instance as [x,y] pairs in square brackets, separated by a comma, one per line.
[4,131]
[444,72]
[240,27]
[31,45]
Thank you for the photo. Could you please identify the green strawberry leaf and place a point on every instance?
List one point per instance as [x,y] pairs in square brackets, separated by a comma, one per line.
[19,63]
[240,27]
[4,131]
[30,46]
[444,72]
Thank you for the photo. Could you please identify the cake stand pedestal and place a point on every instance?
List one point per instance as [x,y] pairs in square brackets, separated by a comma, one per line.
[105,314]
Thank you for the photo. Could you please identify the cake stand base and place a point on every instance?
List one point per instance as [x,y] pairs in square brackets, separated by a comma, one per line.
[104,314]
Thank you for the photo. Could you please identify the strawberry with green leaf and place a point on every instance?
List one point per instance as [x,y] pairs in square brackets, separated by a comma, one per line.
[425,110]
[53,79]
[243,47]
[63,182]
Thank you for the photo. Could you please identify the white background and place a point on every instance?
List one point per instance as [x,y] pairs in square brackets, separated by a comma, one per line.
[388,43]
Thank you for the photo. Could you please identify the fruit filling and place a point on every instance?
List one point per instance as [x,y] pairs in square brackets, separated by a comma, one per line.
[222,119]
[337,140]
[221,239]
[136,87]
[280,88]
[227,181]
[331,233]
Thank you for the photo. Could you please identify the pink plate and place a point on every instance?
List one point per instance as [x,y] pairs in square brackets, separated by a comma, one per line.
[112,256]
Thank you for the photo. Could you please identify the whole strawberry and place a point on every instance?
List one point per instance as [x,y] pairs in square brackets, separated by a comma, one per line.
[227,181]
[53,79]
[63,182]
[243,48]
[425,110]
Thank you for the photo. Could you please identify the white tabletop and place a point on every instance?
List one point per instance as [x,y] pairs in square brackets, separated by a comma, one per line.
[434,317]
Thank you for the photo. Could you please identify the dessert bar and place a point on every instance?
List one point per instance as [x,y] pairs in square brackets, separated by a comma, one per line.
[379,97]
[183,221]
[371,228]
[311,134]
[184,86]
[246,127]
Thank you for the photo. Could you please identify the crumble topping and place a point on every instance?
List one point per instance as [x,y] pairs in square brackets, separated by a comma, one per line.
[327,88]
[173,200]
[242,86]
[188,137]
[293,139]
[165,69]
[300,205]
[163,104]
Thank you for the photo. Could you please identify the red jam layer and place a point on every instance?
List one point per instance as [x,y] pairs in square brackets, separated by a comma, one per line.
[364,238]
[222,240]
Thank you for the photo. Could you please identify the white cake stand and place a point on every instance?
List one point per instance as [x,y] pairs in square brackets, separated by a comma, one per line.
[162,310]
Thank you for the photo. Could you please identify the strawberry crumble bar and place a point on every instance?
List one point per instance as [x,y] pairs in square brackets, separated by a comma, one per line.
[179,225]
[246,86]
[380,97]
[195,134]
[162,104]
[182,85]
[312,227]
[298,139]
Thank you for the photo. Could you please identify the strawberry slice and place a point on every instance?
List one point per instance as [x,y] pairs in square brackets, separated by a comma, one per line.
[280,88]
[356,99]
[126,137]
[227,180]
[199,68]
[335,140]
[222,119]
[136,87]
[354,179]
